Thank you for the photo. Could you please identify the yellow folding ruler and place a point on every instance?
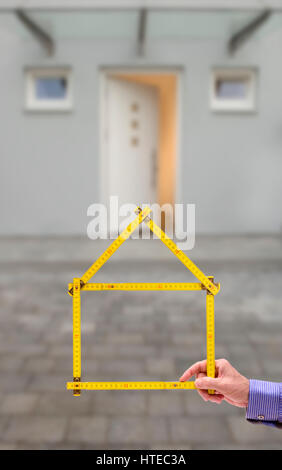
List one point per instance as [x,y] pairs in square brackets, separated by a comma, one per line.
[81,284]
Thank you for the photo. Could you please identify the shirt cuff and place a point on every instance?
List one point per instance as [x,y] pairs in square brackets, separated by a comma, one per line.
[280,405]
[264,401]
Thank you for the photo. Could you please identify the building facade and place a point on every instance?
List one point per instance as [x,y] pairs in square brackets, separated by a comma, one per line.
[155,104]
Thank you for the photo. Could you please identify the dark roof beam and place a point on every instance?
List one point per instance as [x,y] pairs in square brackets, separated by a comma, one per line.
[142,27]
[41,36]
[242,36]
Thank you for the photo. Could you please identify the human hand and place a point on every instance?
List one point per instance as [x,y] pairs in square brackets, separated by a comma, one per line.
[228,385]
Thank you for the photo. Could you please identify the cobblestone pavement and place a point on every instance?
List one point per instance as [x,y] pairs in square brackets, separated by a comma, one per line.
[152,335]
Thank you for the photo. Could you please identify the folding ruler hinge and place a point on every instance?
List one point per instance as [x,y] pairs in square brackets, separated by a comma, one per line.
[82,284]
[76,392]
[211,278]
[138,210]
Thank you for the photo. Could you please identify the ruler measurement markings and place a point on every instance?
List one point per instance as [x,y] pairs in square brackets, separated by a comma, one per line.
[147,385]
[115,245]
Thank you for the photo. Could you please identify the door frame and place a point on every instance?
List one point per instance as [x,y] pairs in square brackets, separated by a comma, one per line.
[104,73]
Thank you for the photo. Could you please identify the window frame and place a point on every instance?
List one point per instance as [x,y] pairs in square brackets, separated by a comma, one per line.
[32,103]
[247,104]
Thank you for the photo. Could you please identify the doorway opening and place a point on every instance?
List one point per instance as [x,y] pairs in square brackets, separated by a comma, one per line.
[140,136]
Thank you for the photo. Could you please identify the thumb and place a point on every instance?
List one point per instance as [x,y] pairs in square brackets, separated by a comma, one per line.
[206,383]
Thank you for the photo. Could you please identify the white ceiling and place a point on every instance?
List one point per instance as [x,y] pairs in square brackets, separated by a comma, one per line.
[154,4]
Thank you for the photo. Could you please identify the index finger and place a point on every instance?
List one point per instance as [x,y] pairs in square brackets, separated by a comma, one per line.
[196,368]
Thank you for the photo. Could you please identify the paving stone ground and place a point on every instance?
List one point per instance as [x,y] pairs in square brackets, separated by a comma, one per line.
[132,336]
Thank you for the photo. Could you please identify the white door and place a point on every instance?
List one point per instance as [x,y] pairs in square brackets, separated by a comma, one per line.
[132,141]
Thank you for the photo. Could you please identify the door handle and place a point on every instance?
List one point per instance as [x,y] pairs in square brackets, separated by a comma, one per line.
[154,166]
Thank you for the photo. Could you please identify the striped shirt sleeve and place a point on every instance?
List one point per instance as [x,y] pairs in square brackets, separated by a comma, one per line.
[265,402]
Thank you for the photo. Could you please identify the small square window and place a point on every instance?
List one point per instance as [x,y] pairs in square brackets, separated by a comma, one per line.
[233,90]
[51,88]
[48,89]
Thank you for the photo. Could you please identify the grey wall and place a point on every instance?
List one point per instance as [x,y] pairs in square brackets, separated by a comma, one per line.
[230,164]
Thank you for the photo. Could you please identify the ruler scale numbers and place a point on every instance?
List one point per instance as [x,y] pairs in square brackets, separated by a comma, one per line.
[131,385]
[206,283]
[210,337]
[76,333]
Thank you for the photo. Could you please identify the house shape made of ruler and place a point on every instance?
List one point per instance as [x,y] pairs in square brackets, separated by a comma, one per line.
[82,284]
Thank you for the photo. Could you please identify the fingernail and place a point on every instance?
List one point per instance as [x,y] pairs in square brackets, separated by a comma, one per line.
[181,379]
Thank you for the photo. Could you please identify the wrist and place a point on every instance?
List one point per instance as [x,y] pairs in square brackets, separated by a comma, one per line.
[246,390]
